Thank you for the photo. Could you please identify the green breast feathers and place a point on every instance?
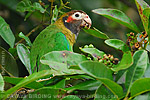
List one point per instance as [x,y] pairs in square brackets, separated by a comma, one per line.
[50,39]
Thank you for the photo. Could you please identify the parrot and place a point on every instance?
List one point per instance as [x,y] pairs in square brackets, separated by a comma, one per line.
[58,36]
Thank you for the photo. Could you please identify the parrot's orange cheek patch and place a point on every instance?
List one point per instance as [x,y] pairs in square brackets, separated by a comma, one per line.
[70,19]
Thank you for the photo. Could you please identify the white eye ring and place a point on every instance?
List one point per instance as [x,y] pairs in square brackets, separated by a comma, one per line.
[77,15]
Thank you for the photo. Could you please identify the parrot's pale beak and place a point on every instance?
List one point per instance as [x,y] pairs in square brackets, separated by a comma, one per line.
[86,22]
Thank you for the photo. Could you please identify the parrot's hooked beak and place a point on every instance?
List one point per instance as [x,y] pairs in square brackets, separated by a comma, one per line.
[86,23]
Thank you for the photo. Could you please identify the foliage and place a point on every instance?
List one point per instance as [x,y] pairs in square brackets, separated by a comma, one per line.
[97,74]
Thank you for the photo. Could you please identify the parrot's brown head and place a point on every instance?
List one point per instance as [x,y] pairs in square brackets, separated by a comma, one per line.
[74,21]
[77,17]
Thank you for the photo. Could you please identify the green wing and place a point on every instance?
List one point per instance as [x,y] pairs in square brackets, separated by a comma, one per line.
[50,39]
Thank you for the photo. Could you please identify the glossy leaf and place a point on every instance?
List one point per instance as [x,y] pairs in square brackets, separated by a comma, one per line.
[138,68]
[118,16]
[121,76]
[115,88]
[29,79]
[95,32]
[82,76]
[14,81]
[140,86]
[13,51]
[46,93]
[147,72]
[125,62]
[60,84]
[37,6]
[61,60]
[6,33]
[142,5]
[87,85]
[1,83]
[117,44]
[96,69]
[27,15]
[24,55]
[143,97]
[102,73]
[8,63]
[148,47]
[71,97]
[95,53]
[74,67]
[146,12]
[102,93]
[26,5]
[26,39]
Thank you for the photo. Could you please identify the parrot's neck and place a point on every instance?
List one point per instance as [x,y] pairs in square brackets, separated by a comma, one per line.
[68,30]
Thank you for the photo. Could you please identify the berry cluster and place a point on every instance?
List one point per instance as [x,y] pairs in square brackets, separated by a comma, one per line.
[108,60]
[136,42]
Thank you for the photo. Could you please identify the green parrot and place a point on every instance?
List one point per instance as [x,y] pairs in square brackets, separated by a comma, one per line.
[58,36]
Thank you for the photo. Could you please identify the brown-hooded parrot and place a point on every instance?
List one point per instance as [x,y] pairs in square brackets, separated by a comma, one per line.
[58,36]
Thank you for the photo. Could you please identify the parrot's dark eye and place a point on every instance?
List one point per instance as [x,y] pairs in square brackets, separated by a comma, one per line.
[77,15]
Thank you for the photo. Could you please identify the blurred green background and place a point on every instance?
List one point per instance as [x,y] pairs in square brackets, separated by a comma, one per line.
[112,29]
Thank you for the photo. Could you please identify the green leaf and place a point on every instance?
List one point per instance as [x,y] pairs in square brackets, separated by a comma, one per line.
[26,5]
[13,51]
[14,80]
[60,84]
[24,55]
[148,47]
[118,16]
[115,88]
[61,60]
[138,68]
[6,33]
[8,63]
[37,6]
[71,97]
[96,69]
[95,32]
[143,97]
[142,5]
[1,83]
[29,79]
[140,86]
[26,39]
[147,72]
[44,93]
[146,12]
[82,76]
[120,77]
[117,44]
[126,62]
[27,16]
[102,93]
[74,67]
[55,15]
[87,85]
[93,52]
[102,73]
